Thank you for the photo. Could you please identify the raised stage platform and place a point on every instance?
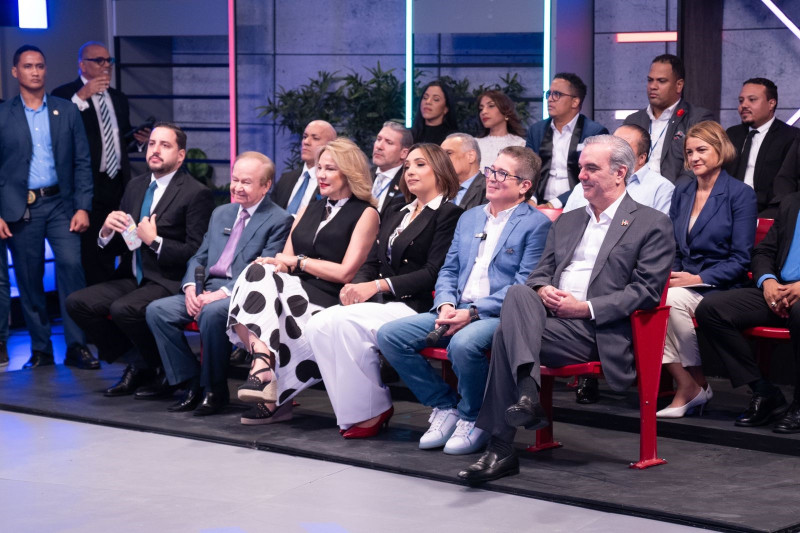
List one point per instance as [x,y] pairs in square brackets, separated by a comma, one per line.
[710,481]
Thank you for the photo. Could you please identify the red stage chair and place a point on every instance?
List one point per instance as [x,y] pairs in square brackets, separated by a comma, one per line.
[649,331]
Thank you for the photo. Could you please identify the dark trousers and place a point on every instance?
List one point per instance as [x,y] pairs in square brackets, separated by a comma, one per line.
[722,315]
[126,302]
[97,266]
[5,292]
[528,335]
[48,220]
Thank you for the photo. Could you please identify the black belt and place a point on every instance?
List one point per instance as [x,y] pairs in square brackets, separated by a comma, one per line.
[43,192]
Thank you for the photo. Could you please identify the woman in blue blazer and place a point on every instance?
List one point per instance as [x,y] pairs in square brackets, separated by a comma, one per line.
[714,219]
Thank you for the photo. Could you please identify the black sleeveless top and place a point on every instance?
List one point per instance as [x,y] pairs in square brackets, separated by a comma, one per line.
[330,244]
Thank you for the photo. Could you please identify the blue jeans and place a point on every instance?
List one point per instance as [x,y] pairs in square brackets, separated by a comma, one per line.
[401,340]
[48,220]
[5,292]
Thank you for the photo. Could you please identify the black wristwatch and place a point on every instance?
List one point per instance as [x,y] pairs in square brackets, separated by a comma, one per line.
[155,244]
[300,258]
[473,314]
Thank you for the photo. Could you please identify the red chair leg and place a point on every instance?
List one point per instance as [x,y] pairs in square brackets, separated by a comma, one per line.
[544,437]
[649,328]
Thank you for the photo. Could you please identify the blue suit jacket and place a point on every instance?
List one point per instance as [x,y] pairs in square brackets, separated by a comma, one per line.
[518,250]
[534,142]
[70,151]
[718,247]
[264,236]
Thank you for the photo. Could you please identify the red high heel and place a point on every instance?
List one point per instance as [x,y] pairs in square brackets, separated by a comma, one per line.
[356,432]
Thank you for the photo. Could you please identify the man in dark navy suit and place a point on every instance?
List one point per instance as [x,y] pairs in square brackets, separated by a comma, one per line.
[46,179]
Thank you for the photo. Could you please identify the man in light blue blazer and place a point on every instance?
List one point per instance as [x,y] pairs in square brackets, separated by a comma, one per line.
[494,246]
[251,226]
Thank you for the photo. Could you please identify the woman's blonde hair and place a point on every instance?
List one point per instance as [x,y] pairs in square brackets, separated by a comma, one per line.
[712,133]
[446,178]
[353,165]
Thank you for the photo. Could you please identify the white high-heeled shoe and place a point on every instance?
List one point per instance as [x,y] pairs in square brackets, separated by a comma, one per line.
[709,392]
[679,412]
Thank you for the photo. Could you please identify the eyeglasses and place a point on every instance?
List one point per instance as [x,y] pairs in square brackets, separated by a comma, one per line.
[100,60]
[499,175]
[557,95]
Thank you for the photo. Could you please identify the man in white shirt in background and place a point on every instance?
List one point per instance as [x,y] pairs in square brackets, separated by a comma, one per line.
[296,188]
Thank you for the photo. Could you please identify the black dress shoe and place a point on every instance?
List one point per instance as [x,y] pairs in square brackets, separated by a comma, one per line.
[762,410]
[489,467]
[189,400]
[240,357]
[214,401]
[159,388]
[132,378]
[528,413]
[790,423]
[39,359]
[79,356]
[588,391]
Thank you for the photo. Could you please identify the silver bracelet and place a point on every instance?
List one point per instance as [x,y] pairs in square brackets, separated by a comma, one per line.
[303,265]
[378,285]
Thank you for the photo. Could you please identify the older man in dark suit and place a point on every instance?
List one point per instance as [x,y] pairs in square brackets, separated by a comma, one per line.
[251,226]
[762,143]
[46,183]
[465,154]
[163,216]
[599,265]
[105,115]
[667,117]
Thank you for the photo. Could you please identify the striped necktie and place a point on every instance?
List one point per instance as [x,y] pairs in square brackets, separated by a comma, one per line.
[112,163]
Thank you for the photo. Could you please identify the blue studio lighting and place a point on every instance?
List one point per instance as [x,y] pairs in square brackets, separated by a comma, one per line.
[32,14]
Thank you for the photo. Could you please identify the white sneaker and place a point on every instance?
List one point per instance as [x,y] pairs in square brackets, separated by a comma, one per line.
[466,439]
[443,424]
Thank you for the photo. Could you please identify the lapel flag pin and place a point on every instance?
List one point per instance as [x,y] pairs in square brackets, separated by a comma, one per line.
[55,112]
[624,222]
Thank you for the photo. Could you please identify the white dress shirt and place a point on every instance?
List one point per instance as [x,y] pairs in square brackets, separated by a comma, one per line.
[558,182]
[84,105]
[658,132]
[575,277]
[381,185]
[161,185]
[478,285]
[312,187]
[755,146]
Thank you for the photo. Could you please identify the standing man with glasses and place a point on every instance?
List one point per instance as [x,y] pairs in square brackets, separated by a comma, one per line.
[667,117]
[559,139]
[104,111]
[46,194]
[294,189]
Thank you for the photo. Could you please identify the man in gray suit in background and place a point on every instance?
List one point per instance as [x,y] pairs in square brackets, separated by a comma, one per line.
[600,264]
[464,153]
[250,226]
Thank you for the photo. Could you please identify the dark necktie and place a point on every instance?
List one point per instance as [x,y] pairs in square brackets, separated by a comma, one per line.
[294,205]
[745,155]
[220,268]
[147,203]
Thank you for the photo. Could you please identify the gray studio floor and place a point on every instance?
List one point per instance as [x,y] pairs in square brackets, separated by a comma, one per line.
[63,476]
